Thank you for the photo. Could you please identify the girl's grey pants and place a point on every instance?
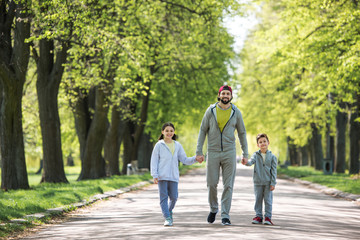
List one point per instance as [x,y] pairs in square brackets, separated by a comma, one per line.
[226,162]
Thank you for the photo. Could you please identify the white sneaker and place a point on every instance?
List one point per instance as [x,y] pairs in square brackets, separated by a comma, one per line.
[168,222]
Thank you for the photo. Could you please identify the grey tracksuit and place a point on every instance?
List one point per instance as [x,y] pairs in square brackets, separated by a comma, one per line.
[221,154]
[264,175]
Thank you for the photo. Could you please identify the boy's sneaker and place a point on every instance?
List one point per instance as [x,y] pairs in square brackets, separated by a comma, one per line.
[257,220]
[268,221]
[211,217]
[168,222]
[225,221]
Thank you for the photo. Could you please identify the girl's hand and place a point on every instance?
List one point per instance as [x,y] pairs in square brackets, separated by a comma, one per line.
[156,180]
[272,188]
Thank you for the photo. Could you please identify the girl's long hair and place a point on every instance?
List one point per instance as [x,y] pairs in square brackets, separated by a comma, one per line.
[163,128]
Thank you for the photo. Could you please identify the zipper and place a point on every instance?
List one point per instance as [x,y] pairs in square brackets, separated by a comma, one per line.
[221,141]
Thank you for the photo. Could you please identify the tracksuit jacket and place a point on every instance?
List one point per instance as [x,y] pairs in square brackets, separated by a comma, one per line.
[165,165]
[222,141]
[264,172]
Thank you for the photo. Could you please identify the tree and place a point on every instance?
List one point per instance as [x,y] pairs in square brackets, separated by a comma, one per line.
[14,58]
[300,52]
[50,56]
[355,138]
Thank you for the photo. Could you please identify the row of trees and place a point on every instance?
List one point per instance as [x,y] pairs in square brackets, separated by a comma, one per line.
[125,66]
[300,80]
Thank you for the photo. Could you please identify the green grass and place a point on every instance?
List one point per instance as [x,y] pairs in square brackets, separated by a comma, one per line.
[18,203]
[343,182]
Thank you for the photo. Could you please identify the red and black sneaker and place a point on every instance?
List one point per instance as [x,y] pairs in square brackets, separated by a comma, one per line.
[268,221]
[257,220]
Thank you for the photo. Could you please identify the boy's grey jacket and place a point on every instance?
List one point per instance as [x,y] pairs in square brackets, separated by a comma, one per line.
[222,141]
[264,173]
[165,165]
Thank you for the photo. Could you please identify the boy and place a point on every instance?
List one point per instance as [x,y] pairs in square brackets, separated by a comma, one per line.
[264,178]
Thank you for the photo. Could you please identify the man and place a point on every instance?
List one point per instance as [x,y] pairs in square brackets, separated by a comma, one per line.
[220,122]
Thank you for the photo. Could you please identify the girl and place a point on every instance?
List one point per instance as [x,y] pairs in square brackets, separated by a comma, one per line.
[165,169]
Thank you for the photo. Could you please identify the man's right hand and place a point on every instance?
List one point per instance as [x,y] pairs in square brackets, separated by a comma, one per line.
[199,158]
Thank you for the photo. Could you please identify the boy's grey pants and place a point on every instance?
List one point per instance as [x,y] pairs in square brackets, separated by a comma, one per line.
[226,161]
[263,193]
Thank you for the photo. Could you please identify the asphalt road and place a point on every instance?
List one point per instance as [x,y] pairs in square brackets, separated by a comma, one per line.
[299,212]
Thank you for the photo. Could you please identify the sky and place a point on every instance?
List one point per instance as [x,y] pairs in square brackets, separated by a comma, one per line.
[239,27]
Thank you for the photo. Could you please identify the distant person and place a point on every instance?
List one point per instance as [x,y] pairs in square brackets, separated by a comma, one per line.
[165,169]
[264,179]
[219,123]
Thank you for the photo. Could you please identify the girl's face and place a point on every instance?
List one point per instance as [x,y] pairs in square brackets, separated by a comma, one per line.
[263,144]
[168,133]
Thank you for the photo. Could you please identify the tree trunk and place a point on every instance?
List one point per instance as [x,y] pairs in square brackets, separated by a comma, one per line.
[128,144]
[133,131]
[341,121]
[304,155]
[144,151]
[292,152]
[93,166]
[83,116]
[318,152]
[143,117]
[113,141]
[311,152]
[48,81]
[355,138]
[14,53]
[330,149]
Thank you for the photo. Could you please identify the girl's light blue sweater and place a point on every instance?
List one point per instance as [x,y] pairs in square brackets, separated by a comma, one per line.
[165,165]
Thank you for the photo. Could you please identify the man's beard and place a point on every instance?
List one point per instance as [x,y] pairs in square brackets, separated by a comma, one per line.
[225,101]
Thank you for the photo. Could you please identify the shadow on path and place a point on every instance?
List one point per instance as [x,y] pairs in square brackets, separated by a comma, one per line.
[298,213]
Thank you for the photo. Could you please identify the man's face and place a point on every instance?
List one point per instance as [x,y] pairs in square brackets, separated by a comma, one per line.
[225,96]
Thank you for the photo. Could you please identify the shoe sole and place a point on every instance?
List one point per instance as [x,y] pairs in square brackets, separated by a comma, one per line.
[226,224]
[256,222]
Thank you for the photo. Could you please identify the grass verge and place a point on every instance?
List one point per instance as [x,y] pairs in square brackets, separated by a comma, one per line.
[340,181]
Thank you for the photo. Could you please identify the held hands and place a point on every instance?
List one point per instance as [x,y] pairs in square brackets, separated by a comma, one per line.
[156,180]
[199,158]
[244,161]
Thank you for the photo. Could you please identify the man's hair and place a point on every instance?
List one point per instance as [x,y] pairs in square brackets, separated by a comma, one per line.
[261,135]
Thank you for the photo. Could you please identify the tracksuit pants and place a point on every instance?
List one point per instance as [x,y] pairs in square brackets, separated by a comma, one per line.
[226,162]
[263,193]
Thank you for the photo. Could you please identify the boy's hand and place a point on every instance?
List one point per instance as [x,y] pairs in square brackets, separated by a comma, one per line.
[156,180]
[272,188]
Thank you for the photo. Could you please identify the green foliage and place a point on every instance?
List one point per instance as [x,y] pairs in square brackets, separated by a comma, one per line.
[300,52]
[178,52]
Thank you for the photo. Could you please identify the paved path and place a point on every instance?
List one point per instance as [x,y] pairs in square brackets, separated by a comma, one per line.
[298,213]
